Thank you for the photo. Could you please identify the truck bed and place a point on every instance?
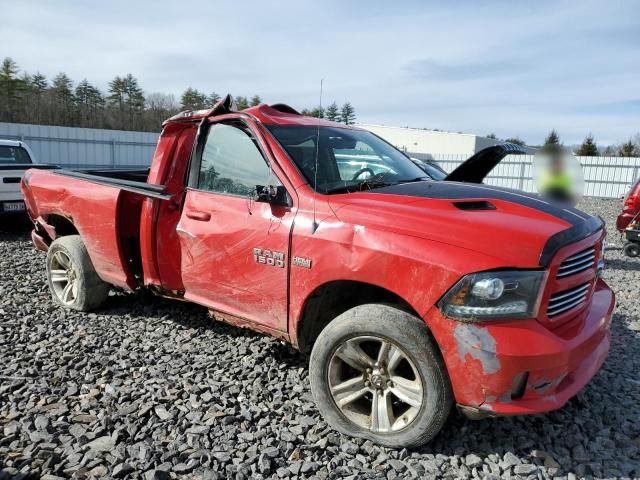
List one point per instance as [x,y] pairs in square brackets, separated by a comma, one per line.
[103,206]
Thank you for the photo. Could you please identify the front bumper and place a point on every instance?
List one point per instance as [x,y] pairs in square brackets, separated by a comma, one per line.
[522,367]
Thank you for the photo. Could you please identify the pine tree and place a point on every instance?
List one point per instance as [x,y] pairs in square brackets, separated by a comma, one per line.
[317,112]
[89,104]
[552,138]
[10,89]
[628,149]
[193,99]
[242,102]
[39,83]
[255,100]
[551,143]
[492,136]
[588,147]
[214,98]
[116,101]
[37,89]
[333,113]
[82,99]
[188,99]
[134,101]
[347,114]
[62,88]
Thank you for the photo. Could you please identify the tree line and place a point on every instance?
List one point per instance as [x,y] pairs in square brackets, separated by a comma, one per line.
[192,99]
[33,98]
[588,147]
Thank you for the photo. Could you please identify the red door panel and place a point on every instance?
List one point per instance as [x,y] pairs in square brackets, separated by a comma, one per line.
[235,256]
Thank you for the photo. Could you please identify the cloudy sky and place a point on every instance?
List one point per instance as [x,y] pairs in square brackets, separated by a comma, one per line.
[513,68]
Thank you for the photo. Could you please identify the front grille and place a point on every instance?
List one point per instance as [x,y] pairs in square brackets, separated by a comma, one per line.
[563,301]
[577,263]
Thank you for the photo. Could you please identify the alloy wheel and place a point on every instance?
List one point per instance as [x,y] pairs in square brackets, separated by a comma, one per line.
[63,277]
[375,384]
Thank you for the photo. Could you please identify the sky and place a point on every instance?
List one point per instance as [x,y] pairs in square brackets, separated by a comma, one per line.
[509,68]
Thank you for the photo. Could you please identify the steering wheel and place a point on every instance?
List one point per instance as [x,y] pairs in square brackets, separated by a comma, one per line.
[363,170]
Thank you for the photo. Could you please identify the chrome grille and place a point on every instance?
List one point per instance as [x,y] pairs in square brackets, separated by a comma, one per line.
[577,263]
[563,301]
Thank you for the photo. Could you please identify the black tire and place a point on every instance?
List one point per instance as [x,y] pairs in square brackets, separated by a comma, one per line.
[631,249]
[400,329]
[87,291]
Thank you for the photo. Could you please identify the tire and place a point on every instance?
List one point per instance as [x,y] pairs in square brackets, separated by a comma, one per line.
[72,280]
[421,370]
[631,249]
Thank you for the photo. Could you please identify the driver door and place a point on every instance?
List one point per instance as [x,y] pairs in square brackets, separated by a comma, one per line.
[235,250]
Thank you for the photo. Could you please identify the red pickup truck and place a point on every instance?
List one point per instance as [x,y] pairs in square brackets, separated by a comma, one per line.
[411,294]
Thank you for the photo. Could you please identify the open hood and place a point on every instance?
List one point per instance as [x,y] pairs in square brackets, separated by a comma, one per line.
[478,166]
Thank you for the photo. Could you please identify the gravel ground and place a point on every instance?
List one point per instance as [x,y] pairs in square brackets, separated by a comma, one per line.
[149,388]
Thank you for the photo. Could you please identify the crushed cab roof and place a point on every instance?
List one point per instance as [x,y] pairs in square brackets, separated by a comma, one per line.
[277,114]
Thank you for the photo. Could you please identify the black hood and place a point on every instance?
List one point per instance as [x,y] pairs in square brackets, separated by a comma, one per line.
[478,166]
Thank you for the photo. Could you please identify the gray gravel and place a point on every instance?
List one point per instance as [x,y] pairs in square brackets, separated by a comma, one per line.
[153,389]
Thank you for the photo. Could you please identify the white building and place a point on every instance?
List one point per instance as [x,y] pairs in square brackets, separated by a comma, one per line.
[434,143]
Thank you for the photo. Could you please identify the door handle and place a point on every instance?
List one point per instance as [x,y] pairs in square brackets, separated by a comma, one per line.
[199,216]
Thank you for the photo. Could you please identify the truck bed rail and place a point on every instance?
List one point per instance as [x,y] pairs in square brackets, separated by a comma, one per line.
[142,188]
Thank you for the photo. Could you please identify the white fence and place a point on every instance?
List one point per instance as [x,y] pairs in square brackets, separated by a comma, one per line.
[84,147]
[609,177]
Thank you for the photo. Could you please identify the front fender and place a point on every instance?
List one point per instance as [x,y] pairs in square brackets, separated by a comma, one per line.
[418,271]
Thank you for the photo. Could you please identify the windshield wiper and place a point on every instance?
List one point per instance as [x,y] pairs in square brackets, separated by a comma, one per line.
[370,183]
[417,179]
[363,185]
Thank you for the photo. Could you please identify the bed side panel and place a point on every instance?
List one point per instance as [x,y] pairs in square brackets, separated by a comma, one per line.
[93,210]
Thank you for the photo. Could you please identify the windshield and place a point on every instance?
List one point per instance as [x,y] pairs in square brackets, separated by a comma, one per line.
[431,168]
[15,155]
[348,160]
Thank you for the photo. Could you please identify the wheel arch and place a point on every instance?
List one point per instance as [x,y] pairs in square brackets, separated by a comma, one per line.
[63,226]
[333,298]
[54,226]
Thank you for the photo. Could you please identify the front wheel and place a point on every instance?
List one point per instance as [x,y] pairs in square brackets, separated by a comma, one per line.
[73,281]
[376,373]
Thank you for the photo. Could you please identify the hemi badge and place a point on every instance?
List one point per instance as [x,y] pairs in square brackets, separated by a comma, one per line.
[302,262]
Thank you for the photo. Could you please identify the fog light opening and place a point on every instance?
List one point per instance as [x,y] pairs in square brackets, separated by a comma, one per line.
[519,385]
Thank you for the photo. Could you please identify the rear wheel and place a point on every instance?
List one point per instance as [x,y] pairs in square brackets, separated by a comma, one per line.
[376,373]
[73,281]
[631,249]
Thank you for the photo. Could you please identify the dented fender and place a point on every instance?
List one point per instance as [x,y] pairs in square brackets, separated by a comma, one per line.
[417,270]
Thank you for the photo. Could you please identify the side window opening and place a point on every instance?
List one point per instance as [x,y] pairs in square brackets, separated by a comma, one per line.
[232,162]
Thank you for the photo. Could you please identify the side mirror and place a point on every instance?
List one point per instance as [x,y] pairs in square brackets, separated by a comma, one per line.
[273,194]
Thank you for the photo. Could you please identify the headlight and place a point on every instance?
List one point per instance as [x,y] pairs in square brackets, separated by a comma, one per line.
[603,246]
[494,295]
